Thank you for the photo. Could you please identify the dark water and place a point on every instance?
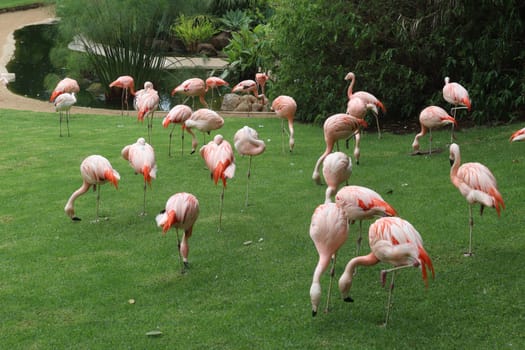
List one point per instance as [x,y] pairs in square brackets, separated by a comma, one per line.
[31,64]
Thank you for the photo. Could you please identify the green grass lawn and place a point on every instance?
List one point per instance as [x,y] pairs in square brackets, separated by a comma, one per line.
[67,284]
[8,4]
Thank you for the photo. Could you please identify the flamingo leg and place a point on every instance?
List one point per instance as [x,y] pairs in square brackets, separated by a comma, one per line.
[67,122]
[378,128]
[182,264]
[60,122]
[150,126]
[169,144]
[430,140]
[98,204]
[144,202]
[390,300]
[248,181]
[282,134]
[332,275]
[471,225]
[220,209]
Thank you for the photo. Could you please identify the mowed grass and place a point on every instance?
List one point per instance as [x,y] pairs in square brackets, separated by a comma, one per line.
[67,284]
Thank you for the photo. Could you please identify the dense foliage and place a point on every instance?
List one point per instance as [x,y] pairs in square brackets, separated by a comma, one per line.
[119,36]
[401,51]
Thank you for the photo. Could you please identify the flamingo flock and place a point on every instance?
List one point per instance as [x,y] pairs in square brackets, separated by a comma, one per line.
[391,239]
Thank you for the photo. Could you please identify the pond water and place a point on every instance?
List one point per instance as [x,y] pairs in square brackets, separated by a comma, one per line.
[31,64]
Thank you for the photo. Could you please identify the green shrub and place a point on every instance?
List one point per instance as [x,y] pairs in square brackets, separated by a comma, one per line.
[193,30]
[235,20]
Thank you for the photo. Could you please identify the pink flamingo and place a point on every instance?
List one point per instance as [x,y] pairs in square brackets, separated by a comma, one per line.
[177,115]
[338,127]
[204,120]
[518,135]
[63,103]
[219,158]
[477,184]
[141,158]
[64,85]
[127,84]
[214,83]
[192,87]
[328,231]
[246,141]
[456,95]
[261,78]
[246,86]
[362,203]
[95,171]
[147,102]
[394,241]
[431,117]
[368,102]
[181,211]
[285,108]
[337,168]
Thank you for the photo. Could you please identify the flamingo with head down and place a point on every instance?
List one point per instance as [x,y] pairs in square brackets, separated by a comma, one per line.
[285,108]
[127,84]
[193,87]
[65,85]
[394,241]
[518,135]
[181,211]
[328,231]
[432,117]
[338,127]
[95,171]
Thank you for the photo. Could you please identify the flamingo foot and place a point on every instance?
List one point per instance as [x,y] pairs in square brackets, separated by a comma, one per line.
[468,254]
[348,299]
[76,218]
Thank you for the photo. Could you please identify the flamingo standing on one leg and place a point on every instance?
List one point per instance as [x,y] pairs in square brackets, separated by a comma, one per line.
[456,95]
[285,108]
[338,127]
[214,83]
[95,171]
[65,85]
[477,184]
[394,241]
[177,115]
[192,87]
[518,135]
[204,120]
[246,141]
[181,211]
[328,231]
[362,203]
[147,103]
[63,104]
[337,168]
[431,117]
[141,158]
[368,99]
[261,78]
[219,158]
[127,84]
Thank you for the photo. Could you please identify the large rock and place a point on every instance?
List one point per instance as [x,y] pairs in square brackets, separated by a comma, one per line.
[230,102]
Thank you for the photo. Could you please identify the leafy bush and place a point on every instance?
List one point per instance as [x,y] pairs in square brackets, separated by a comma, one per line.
[235,20]
[401,54]
[193,30]
[247,51]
